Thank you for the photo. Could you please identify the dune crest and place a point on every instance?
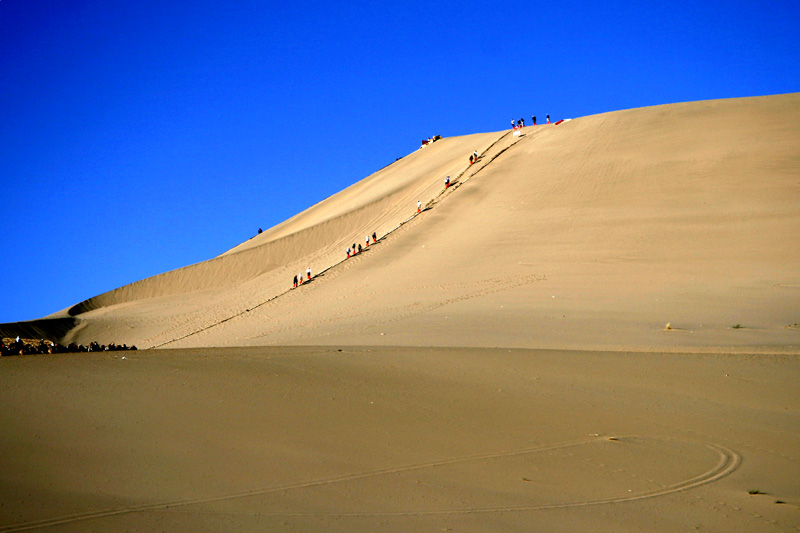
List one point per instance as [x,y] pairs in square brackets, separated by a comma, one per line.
[683,214]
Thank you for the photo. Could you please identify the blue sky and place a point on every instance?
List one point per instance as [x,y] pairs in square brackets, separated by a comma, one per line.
[138,137]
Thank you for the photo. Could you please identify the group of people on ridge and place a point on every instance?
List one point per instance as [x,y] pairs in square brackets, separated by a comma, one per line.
[298,279]
[430,140]
[357,248]
[515,124]
[351,252]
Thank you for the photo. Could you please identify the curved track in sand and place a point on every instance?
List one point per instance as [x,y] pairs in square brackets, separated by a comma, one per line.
[727,462]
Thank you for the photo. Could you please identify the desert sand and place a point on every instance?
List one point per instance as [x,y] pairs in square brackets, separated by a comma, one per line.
[500,361]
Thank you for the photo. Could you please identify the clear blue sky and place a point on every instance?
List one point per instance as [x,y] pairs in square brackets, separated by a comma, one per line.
[138,137]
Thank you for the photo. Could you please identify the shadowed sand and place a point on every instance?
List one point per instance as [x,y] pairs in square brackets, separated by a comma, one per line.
[499,362]
[399,439]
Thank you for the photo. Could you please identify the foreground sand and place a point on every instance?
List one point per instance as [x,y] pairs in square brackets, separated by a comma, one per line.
[399,439]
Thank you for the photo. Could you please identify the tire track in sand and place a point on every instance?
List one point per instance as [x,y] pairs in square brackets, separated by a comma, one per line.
[727,462]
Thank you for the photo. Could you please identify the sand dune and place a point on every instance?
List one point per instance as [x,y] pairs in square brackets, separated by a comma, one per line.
[499,362]
[592,234]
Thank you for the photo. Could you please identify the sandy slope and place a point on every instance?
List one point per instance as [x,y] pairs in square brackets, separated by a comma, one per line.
[592,234]
[386,404]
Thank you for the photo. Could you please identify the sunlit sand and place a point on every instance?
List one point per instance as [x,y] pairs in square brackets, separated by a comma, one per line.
[593,328]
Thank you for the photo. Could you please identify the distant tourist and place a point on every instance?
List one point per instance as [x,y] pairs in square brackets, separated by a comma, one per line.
[470,160]
[295,280]
[513,124]
[374,238]
[475,153]
[533,118]
[348,251]
[300,278]
[419,206]
[367,242]
[359,248]
[447,182]
[308,273]
[548,119]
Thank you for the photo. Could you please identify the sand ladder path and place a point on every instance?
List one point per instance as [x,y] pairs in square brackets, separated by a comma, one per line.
[458,182]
